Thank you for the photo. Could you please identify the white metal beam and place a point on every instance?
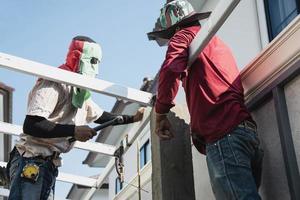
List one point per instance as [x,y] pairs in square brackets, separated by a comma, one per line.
[75,179]
[102,148]
[219,15]
[55,74]
[105,149]
[2,164]
[4,192]
[100,179]
[71,178]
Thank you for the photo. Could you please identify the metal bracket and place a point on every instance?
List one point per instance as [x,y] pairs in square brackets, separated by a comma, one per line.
[119,162]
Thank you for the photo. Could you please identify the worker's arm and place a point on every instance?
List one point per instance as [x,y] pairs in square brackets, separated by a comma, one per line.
[40,127]
[127,119]
[106,116]
[172,70]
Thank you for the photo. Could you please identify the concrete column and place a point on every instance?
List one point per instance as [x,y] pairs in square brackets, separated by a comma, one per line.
[172,166]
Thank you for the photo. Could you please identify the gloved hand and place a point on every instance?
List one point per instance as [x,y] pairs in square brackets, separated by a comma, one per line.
[84,133]
[163,127]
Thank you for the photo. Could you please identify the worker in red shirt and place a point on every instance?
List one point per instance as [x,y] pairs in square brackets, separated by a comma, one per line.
[221,126]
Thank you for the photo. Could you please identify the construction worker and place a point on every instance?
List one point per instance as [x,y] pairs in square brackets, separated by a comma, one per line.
[56,112]
[221,126]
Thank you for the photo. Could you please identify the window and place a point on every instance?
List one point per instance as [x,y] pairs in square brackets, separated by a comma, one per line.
[279,14]
[145,154]
[118,186]
[1,107]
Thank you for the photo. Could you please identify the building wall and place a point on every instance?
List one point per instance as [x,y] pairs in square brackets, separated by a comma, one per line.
[78,194]
[241,31]
[201,179]
[130,163]
[144,195]
[292,95]
[274,181]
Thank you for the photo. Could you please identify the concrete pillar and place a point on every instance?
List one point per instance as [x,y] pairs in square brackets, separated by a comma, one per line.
[172,166]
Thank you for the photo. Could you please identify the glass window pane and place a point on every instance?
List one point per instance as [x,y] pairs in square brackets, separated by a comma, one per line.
[145,154]
[1,107]
[280,14]
[148,152]
[142,156]
[118,186]
[1,135]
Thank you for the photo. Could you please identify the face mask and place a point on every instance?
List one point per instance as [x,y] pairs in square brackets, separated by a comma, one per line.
[88,66]
[89,60]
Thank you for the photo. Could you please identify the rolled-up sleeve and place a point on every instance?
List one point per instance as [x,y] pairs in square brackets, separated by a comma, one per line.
[93,111]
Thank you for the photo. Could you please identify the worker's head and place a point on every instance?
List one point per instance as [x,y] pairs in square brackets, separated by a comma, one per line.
[84,56]
[174,15]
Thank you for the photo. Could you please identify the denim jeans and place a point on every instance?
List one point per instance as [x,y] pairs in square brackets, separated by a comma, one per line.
[234,164]
[23,189]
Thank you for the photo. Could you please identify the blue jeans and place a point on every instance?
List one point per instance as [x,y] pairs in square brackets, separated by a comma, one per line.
[234,164]
[23,189]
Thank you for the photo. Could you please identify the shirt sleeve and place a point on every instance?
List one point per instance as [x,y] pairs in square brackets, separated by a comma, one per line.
[43,98]
[93,111]
[173,67]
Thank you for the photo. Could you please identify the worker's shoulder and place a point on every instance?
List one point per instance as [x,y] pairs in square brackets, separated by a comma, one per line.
[44,83]
[186,33]
[189,30]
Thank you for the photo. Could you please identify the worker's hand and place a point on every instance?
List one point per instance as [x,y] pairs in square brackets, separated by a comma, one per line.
[84,133]
[139,115]
[163,127]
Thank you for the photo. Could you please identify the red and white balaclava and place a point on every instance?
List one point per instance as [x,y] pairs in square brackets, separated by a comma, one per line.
[83,57]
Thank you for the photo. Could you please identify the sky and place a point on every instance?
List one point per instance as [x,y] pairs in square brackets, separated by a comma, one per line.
[42,30]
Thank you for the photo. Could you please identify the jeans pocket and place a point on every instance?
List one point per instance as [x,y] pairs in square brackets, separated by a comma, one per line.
[243,145]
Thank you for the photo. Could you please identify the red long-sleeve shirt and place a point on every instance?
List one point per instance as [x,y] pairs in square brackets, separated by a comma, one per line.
[214,92]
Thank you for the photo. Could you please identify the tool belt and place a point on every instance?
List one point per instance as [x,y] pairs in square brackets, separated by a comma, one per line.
[31,170]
